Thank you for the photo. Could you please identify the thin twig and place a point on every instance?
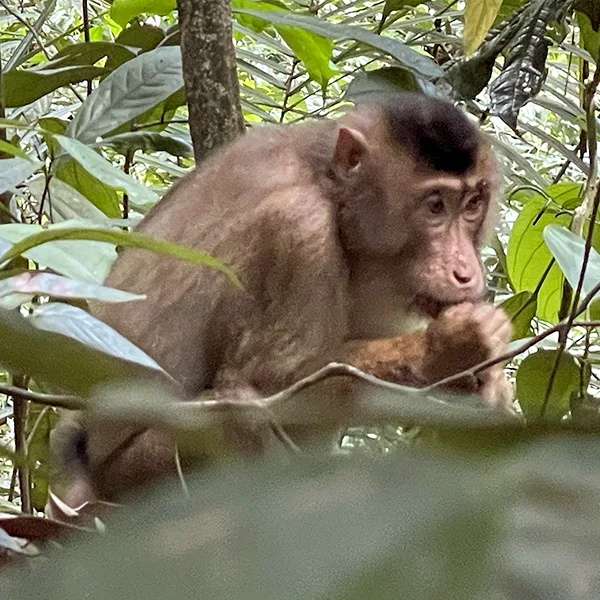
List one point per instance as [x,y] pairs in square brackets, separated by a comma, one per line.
[288,86]
[86,35]
[180,475]
[59,401]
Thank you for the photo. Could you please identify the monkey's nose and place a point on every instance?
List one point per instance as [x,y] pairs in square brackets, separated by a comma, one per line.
[462,278]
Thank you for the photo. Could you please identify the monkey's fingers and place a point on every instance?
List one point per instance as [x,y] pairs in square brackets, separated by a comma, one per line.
[495,326]
[496,390]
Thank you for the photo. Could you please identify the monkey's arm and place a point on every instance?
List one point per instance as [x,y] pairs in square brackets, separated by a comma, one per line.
[460,338]
[398,359]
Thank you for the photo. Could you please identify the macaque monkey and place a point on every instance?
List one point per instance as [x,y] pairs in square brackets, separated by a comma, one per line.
[356,240]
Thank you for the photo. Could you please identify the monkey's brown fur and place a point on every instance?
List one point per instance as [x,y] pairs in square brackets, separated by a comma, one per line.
[346,235]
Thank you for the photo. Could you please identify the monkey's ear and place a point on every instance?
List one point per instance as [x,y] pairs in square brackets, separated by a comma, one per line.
[350,149]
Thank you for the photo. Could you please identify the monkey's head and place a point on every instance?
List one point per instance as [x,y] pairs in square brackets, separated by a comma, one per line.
[418,180]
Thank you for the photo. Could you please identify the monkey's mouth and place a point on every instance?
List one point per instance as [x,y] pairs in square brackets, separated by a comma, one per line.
[429,306]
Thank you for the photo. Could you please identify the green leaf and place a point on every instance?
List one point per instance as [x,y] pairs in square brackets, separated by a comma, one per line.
[532,380]
[507,8]
[53,124]
[140,197]
[312,49]
[14,171]
[8,148]
[100,195]
[527,254]
[588,38]
[406,56]
[32,284]
[59,361]
[479,17]
[521,310]
[591,9]
[79,325]
[143,36]
[89,53]
[421,525]
[393,5]
[119,238]
[132,89]
[159,115]
[122,11]
[387,80]
[65,202]
[81,260]
[22,87]
[16,123]
[568,249]
[256,24]
[148,141]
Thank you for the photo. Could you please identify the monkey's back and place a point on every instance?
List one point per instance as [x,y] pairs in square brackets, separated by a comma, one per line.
[256,207]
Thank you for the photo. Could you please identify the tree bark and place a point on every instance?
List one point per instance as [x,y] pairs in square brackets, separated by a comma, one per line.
[209,73]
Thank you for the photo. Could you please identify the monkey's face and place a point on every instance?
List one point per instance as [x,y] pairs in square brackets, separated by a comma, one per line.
[449,213]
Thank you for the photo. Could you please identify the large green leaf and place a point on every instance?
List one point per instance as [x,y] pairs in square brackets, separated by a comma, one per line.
[89,53]
[406,56]
[568,250]
[479,17]
[521,309]
[140,197]
[148,141]
[143,36]
[81,260]
[23,87]
[127,92]
[589,38]
[122,11]
[64,202]
[118,238]
[312,49]
[11,150]
[520,523]
[527,254]
[387,80]
[100,195]
[528,257]
[80,325]
[591,9]
[23,287]
[532,381]
[14,171]
[59,361]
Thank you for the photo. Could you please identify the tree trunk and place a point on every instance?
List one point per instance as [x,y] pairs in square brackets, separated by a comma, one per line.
[209,72]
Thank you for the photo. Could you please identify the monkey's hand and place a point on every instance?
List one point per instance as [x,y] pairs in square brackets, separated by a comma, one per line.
[462,337]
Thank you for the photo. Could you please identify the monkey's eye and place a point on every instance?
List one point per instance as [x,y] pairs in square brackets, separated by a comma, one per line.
[474,205]
[436,205]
